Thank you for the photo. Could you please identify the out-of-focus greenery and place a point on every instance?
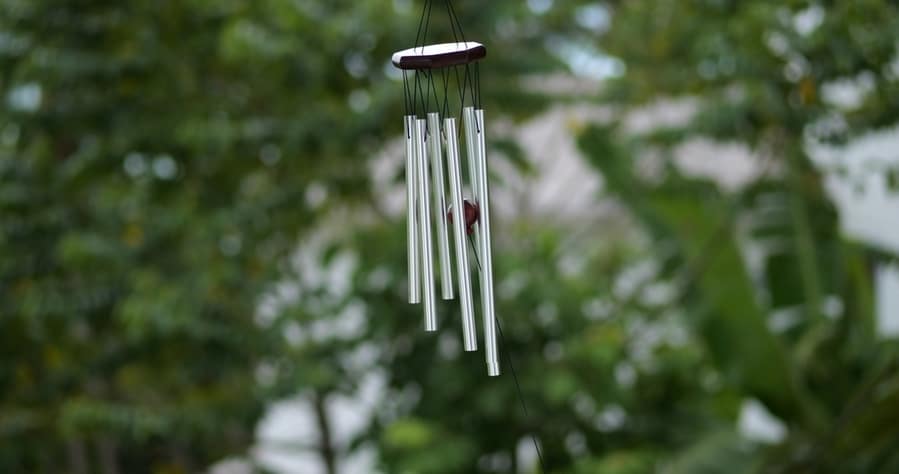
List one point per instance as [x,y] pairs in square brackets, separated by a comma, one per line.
[155,163]
[161,161]
[755,73]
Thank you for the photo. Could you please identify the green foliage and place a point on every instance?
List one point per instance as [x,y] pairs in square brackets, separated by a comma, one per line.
[755,71]
[155,161]
[162,162]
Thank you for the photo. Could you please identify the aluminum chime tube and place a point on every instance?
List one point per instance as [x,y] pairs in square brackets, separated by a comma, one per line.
[443,249]
[411,213]
[472,149]
[468,122]
[424,227]
[492,354]
[469,333]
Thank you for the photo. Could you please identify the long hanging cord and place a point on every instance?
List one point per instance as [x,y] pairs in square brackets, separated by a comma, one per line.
[446,80]
[505,351]
[474,80]
[425,12]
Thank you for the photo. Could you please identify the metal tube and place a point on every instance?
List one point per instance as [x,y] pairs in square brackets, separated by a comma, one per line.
[435,143]
[412,243]
[469,333]
[471,146]
[424,227]
[486,256]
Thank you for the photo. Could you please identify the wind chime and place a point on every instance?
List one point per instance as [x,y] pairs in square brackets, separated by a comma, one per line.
[431,133]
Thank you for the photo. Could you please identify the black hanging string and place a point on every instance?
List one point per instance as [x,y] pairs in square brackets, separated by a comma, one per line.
[424,38]
[455,19]
[433,85]
[460,86]
[524,407]
[446,80]
[452,23]
[427,92]
[463,89]
[476,93]
[477,81]
[471,84]
[471,71]
[504,349]
[421,22]
[415,89]
[421,94]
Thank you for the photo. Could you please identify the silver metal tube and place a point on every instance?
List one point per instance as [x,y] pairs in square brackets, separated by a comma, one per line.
[471,147]
[412,242]
[469,333]
[424,227]
[486,255]
[435,143]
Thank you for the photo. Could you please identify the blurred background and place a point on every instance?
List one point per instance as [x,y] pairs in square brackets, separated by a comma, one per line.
[202,239]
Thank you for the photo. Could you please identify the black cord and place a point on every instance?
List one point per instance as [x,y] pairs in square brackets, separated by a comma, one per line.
[422,96]
[433,85]
[524,407]
[477,81]
[476,99]
[421,23]
[460,86]
[424,38]
[467,86]
[454,16]
[424,24]
[445,92]
[427,93]
[504,349]
[415,89]
[452,23]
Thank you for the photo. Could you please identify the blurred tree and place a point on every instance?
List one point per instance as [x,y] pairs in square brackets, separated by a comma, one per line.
[756,74]
[159,161]
[151,184]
